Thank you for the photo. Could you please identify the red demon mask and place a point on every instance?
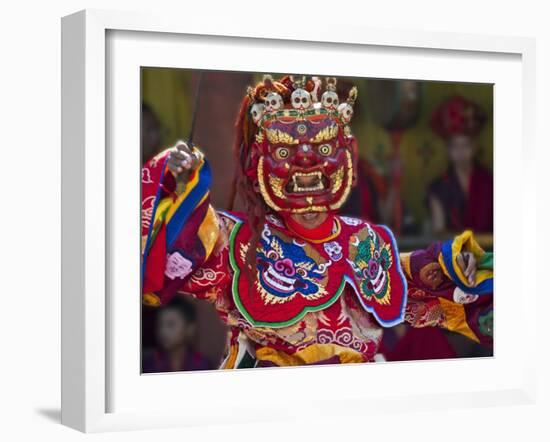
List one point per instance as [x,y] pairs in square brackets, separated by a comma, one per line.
[303,156]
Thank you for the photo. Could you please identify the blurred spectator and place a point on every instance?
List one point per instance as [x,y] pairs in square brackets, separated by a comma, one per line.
[368,194]
[175,332]
[150,133]
[462,198]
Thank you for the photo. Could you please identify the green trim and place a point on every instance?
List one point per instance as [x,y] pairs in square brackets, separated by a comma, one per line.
[486,261]
[242,309]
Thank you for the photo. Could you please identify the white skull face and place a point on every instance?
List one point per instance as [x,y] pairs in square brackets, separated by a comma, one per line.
[273,102]
[346,112]
[329,100]
[257,112]
[334,250]
[461,297]
[300,99]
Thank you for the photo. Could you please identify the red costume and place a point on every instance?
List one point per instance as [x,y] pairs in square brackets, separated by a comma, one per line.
[289,294]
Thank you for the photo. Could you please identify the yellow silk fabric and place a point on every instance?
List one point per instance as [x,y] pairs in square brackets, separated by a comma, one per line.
[209,231]
[405,259]
[309,355]
[455,319]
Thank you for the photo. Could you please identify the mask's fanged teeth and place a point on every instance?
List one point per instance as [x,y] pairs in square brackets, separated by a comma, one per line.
[307,182]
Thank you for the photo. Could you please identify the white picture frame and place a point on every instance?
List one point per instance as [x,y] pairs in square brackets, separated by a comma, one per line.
[88,232]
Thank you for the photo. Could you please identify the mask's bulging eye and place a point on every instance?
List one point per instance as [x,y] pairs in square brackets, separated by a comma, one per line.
[325,149]
[282,153]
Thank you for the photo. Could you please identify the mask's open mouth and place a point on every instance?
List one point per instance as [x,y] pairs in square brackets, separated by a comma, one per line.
[277,281]
[301,182]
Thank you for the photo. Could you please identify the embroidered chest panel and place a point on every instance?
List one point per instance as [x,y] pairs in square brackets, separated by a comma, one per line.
[294,276]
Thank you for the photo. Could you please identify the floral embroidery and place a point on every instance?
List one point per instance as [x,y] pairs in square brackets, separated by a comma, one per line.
[146,176]
[351,221]
[147,211]
[207,277]
[274,220]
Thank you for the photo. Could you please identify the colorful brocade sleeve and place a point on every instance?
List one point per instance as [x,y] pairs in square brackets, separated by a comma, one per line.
[440,295]
[179,231]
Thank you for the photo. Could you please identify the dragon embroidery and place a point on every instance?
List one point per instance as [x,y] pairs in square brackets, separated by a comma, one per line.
[370,260]
[287,269]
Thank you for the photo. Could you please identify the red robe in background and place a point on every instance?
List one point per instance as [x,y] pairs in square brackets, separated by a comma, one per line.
[472,211]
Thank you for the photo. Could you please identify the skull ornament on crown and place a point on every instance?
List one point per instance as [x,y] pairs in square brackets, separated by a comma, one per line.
[257,111]
[299,154]
[329,99]
[346,112]
[300,99]
[273,102]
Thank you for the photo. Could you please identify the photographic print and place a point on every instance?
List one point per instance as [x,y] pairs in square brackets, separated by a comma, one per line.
[303,220]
